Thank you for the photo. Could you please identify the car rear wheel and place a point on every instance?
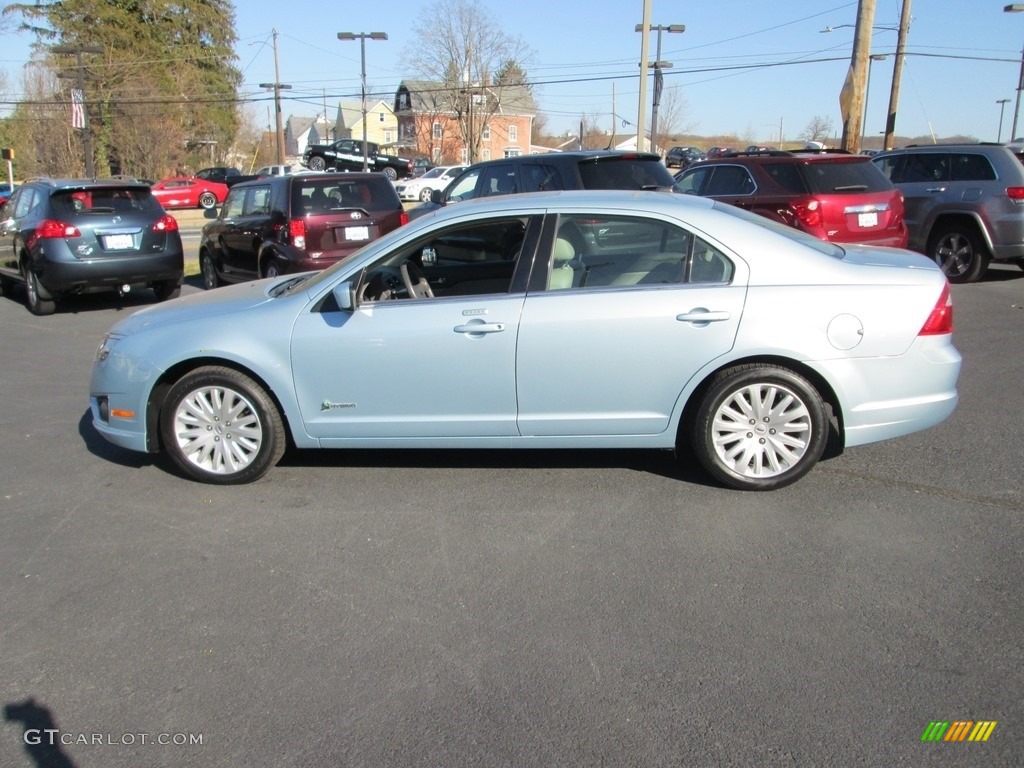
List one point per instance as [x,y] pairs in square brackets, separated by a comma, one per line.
[207,200]
[959,252]
[391,173]
[317,164]
[271,268]
[219,426]
[167,289]
[425,194]
[759,427]
[211,279]
[37,305]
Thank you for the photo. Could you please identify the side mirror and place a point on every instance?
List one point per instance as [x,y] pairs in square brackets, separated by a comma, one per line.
[345,295]
[211,213]
[437,196]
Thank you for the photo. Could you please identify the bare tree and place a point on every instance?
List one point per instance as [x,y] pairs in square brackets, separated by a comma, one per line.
[672,113]
[819,129]
[465,50]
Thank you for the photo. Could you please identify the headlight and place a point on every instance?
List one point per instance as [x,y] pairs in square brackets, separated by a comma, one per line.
[105,347]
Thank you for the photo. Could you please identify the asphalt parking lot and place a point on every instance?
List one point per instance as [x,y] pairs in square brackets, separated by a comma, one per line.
[507,608]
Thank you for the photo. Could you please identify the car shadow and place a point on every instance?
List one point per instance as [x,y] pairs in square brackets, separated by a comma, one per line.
[91,302]
[1000,273]
[99,446]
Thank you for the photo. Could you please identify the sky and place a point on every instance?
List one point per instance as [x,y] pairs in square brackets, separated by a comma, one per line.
[750,68]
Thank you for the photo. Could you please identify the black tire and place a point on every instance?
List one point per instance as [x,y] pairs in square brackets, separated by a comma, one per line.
[425,194]
[221,427]
[317,164]
[211,279]
[271,268]
[959,251]
[759,427]
[167,289]
[36,304]
[207,200]
[391,173]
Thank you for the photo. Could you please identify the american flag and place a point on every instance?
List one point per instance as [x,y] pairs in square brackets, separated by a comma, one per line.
[77,108]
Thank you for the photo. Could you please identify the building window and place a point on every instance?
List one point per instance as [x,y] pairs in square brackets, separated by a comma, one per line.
[513,133]
[464,156]
[380,117]
[388,137]
[437,130]
[513,152]
[486,154]
[487,133]
[437,155]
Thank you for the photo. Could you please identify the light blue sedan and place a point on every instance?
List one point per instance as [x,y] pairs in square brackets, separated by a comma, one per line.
[596,319]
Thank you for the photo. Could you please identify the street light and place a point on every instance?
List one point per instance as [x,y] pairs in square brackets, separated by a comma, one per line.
[1002,107]
[1016,8]
[657,65]
[361,37]
[867,90]
[277,86]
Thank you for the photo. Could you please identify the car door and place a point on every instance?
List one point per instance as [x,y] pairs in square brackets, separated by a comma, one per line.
[225,234]
[9,224]
[630,310]
[923,178]
[427,368]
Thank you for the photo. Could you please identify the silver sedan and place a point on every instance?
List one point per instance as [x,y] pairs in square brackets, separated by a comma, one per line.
[594,319]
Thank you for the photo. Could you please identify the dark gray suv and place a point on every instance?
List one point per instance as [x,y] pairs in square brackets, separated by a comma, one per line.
[66,236]
[964,204]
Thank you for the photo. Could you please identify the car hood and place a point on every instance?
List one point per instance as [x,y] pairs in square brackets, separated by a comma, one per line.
[197,306]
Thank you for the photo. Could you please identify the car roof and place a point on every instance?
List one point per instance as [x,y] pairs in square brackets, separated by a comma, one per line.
[570,156]
[73,183]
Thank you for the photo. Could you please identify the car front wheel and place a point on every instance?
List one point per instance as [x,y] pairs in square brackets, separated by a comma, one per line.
[959,252]
[219,426]
[759,427]
[211,279]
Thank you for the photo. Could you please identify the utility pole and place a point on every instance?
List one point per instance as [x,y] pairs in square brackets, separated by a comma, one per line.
[641,109]
[851,99]
[77,51]
[897,74]
[277,86]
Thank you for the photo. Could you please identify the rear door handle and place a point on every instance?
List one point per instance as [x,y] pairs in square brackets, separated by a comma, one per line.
[936,189]
[703,316]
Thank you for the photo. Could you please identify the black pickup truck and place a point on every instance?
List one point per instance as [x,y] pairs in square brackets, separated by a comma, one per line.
[347,155]
[223,175]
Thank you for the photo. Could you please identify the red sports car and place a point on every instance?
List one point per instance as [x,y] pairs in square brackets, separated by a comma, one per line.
[189,192]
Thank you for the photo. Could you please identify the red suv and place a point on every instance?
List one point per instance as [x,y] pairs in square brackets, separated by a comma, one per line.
[834,196]
[282,224]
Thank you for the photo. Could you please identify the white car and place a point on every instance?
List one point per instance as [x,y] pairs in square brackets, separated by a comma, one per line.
[421,187]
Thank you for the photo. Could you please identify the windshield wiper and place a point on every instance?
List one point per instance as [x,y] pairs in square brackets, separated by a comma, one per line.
[288,285]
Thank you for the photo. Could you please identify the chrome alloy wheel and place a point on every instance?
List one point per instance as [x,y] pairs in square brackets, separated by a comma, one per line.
[762,430]
[218,429]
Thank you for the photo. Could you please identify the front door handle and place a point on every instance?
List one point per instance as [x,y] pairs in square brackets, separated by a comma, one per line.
[479,327]
[703,316]
[936,189]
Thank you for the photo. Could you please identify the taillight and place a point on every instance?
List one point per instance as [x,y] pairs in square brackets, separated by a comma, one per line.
[808,212]
[297,232]
[940,321]
[166,224]
[1016,194]
[403,219]
[51,228]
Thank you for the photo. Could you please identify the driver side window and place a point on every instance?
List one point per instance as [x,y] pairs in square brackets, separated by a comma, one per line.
[479,258]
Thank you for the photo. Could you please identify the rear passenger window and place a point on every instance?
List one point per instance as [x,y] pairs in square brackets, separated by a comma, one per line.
[621,251]
[924,167]
[787,176]
[539,178]
[972,168]
[730,180]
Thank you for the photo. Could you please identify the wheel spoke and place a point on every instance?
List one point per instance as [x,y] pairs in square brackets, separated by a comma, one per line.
[218,429]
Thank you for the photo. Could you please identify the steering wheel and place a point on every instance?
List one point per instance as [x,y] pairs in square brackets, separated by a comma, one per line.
[382,284]
[416,284]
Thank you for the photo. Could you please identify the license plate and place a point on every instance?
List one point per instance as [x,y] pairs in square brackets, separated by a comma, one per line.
[357,233]
[118,242]
[868,219]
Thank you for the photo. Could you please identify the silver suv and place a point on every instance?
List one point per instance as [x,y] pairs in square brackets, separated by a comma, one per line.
[963,203]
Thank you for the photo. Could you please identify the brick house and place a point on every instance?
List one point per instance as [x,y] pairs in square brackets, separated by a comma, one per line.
[461,125]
